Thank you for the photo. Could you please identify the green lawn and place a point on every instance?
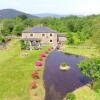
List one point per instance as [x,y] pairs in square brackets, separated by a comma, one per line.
[88,52]
[15,71]
[86,93]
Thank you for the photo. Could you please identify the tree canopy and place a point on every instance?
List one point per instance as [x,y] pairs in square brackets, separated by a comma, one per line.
[77,29]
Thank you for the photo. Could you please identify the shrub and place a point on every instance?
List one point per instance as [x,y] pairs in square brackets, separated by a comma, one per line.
[2,39]
[41,58]
[43,55]
[63,64]
[70,96]
[38,63]
[33,85]
[35,75]
[24,45]
[91,68]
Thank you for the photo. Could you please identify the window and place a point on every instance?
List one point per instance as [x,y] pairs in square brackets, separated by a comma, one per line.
[31,34]
[50,34]
[43,34]
[50,40]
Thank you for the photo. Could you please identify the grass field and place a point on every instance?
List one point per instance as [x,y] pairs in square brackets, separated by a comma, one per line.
[85,92]
[88,52]
[15,71]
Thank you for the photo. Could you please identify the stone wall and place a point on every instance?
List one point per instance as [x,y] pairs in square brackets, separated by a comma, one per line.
[46,38]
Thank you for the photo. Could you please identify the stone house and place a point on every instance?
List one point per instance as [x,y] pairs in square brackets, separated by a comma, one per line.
[41,35]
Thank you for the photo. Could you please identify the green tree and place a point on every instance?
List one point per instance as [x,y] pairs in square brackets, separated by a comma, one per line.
[76,39]
[23,16]
[24,44]
[2,39]
[70,38]
[28,23]
[91,68]
[18,29]
[8,26]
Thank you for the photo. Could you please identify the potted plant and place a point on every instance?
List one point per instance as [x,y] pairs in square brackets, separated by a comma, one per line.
[64,67]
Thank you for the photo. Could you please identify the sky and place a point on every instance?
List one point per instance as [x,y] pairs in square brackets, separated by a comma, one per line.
[63,7]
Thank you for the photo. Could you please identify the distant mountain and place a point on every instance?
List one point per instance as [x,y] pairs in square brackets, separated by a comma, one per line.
[42,15]
[12,13]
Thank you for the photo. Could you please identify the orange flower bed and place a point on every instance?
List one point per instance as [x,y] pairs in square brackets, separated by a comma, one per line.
[35,75]
[33,84]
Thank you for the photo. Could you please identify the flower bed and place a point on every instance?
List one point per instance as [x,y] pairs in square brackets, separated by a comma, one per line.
[33,84]
[38,63]
[35,75]
[43,55]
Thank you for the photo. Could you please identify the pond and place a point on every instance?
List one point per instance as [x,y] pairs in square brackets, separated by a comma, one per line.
[57,83]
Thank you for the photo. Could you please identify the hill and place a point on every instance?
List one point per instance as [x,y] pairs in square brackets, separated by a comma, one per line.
[12,13]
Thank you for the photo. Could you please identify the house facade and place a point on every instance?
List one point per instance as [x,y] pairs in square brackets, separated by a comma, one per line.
[41,35]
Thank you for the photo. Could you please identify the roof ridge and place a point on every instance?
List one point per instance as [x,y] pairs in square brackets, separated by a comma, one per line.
[40,29]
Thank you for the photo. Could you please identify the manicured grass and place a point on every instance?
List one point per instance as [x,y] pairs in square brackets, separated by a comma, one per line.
[15,71]
[88,52]
[85,92]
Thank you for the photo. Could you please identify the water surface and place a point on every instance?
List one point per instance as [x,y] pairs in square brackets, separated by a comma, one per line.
[57,82]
